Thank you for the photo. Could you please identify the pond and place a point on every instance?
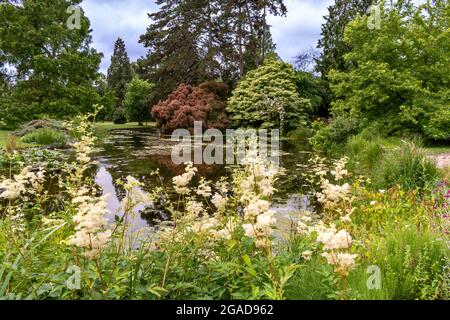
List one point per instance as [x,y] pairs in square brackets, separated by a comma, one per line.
[139,152]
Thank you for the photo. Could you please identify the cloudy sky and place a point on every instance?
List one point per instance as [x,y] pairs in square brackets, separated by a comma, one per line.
[128,19]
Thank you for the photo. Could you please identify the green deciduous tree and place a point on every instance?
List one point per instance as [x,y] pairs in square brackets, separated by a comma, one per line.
[267,97]
[136,101]
[400,74]
[119,72]
[53,66]
[332,44]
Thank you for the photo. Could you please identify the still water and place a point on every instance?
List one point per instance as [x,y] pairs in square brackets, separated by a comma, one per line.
[138,152]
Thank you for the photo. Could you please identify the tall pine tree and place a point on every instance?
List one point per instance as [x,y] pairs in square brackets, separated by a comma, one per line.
[332,42]
[173,42]
[195,41]
[119,72]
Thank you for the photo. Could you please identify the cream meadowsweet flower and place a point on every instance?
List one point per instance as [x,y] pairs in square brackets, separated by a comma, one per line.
[14,188]
[92,233]
[266,187]
[84,148]
[181,182]
[204,189]
[265,221]
[194,209]
[219,202]
[249,230]
[135,195]
[261,230]
[346,218]
[227,232]
[332,240]
[222,186]
[307,254]
[255,208]
[336,246]
[344,263]
[332,193]
[339,171]
[205,225]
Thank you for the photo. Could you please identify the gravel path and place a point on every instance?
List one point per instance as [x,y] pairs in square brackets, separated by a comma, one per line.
[442,160]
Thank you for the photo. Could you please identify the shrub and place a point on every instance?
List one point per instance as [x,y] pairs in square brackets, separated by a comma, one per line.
[119,116]
[267,97]
[300,134]
[406,166]
[44,136]
[42,123]
[332,137]
[205,103]
[12,144]
[136,101]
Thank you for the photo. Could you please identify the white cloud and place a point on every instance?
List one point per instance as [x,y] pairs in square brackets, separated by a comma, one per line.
[128,19]
[300,29]
[113,19]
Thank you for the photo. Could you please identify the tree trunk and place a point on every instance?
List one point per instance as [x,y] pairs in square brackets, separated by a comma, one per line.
[264,35]
[253,35]
[241,50]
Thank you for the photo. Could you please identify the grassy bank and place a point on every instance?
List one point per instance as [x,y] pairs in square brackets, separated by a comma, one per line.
[3,137]
[437,150]
[107,126]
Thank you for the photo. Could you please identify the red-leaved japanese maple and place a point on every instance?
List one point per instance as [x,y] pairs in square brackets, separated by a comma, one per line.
[187,104]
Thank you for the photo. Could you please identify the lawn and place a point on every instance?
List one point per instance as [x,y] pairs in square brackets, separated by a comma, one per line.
[438,150]
[4,134]
[102,126]
[131,125]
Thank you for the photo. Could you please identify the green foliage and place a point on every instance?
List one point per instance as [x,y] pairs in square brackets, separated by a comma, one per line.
[313,88]
[55,66]
[119,72]
[300,134]
[137,103]
[391,162]
[107,98]
[331,138]
[400,73]
[44,137]
[119,116]
[414,263]
[267,98]
[406,166]
[332,42]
